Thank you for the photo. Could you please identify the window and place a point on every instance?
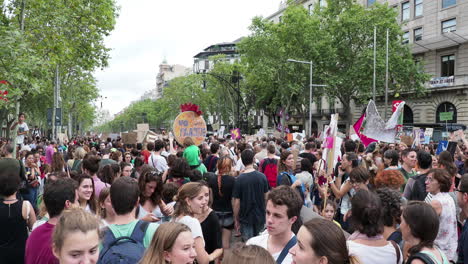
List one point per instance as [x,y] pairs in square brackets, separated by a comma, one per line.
[405,11]
[311,9]
[370,2]
[449,25]
[418,8]
[405,38]
[418,34]
[448,65]
[322,3]
[447,3]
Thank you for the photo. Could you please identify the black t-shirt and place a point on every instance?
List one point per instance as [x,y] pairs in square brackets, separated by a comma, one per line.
[210,163]
[419,188]
[250,188]
[222,203]
[212,233]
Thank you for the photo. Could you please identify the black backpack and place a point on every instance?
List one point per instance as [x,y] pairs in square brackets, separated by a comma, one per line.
[419,188]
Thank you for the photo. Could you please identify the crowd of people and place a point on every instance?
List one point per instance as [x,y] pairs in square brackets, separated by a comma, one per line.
[263,200]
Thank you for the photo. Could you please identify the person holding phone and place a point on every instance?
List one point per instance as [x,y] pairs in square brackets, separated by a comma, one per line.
[22,130]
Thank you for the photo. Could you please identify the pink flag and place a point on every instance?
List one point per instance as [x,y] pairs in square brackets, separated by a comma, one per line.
[357,127]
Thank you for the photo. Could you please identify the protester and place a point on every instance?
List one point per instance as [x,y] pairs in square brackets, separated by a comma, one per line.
[126,169]
[211,161]
[16,217]
[222,187]
[415,188]
[155,160]
[152,208]
[282,211]
[419,227]
[124,193]
[286,175]
[58,196]
[91,167]
[76,238]
[438,184]
[33,175]
[367,242]
[172,243]
[269,166]
[321,241]
[391,204]
[192,198]
[249,198]
[86,193]
[248,254]
[192,155]
[462,198]
[211,228]
[106,211]
[22,130]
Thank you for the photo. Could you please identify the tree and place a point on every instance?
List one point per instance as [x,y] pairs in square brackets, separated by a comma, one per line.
[338,39]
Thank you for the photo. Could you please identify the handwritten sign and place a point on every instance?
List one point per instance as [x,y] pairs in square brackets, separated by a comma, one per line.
[189,124]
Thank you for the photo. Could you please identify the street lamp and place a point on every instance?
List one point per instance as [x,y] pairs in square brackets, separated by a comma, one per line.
[311,85]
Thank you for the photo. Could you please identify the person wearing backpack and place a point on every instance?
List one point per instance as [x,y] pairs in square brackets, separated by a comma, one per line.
[415,188]
[125,241]
[269,166]
[285,173]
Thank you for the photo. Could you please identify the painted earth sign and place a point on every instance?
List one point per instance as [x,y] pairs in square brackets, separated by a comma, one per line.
[189,124]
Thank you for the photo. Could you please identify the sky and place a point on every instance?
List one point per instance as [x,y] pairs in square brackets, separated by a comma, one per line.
[147,31]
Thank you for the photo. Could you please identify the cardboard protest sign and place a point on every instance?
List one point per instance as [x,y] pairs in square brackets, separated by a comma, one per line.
[130,137]
[407,140]
[189,124]
[143,127]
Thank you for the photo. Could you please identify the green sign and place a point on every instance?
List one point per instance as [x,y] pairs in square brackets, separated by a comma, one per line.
[446,116]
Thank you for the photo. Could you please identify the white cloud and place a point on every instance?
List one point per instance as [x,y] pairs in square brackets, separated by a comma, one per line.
[149,30]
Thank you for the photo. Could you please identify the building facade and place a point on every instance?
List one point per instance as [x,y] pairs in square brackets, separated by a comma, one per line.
[437,32]
[166,73]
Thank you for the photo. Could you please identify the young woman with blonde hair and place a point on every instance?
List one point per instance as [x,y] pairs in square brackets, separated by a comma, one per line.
[172,243]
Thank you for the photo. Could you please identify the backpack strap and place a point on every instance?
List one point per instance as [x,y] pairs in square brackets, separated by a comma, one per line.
[139,231]
[107,239]
[286,249]
[421,256]
[397,250]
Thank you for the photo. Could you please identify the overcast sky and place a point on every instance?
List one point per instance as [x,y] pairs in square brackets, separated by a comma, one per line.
[147,31]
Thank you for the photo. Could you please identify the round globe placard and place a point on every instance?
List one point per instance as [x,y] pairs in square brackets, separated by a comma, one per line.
[189,124]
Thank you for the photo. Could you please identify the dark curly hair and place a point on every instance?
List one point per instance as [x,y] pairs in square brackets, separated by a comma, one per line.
[391,203]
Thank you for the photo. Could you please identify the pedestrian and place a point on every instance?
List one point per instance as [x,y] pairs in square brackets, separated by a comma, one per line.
[420,226]
[321,241]
[173,243]
[76,237]
[106,211]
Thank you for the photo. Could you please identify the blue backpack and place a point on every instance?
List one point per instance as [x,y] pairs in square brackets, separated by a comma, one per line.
[123,250]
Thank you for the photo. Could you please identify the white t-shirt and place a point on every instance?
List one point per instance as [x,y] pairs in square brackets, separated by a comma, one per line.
[158,162]
[193,224]
[21,128]
[371,255]
[262,241]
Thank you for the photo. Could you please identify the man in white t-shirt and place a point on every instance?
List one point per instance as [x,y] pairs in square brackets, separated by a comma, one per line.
[22,129]
[155,160]
[282,211]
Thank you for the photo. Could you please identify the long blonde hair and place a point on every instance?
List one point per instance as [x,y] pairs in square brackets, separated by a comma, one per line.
[163,241]
[73,220]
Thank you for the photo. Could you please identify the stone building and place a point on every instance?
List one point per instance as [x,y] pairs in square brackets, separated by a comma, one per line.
[166,73]
[437,32]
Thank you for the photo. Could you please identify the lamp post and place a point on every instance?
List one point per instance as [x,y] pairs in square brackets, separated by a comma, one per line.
[311,85]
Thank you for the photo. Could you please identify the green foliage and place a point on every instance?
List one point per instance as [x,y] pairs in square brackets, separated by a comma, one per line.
[67,33]
[339,41]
